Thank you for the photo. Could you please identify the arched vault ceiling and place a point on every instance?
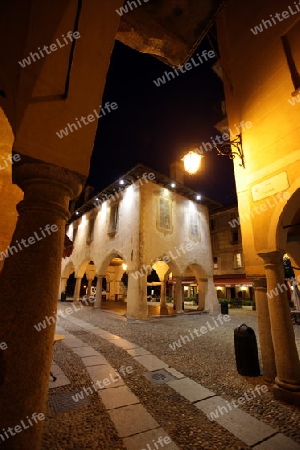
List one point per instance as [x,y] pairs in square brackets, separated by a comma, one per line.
[168,29]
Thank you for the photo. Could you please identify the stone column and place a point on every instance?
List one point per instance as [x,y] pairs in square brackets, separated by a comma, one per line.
[264,329]
[63,284]
[29,285]
[287,387]
[89,287]
[202,288]
[163,303]
[77,291]
[178,295]
[137,307]
[211,300]
[98,298]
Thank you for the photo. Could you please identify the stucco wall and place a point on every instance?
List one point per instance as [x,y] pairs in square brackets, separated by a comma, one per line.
[159,242]
[104,247]
[258,92]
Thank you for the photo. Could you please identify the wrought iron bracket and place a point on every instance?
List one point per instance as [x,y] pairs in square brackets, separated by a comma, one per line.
[225,149]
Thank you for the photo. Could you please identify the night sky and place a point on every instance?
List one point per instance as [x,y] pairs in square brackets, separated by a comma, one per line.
[155,125]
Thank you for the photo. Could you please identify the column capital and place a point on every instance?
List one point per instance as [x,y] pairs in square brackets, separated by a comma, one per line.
[259,282]
[178,277]
[46,187]
[272,258]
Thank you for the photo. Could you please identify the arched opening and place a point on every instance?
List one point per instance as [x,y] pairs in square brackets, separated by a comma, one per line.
[10,194]
[114,276]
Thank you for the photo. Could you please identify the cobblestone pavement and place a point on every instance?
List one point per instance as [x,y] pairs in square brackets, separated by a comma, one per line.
[207,359]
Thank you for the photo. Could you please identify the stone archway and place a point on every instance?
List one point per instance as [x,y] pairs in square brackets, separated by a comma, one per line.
[207,296]
[10,194]
[66,284]
[281,236]
[111,269]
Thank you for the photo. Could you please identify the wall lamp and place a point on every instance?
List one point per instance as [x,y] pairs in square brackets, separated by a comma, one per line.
[192,160]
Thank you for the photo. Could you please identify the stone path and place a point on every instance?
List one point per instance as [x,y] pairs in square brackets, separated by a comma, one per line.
[133,422]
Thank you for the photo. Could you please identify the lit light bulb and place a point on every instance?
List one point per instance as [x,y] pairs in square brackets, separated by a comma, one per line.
[191,161]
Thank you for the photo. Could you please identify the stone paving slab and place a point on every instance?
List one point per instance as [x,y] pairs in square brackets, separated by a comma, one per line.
[138,351]
[55,369]
[88,327]
[96,360]
[151,362]
[99,373]
[106,334]
[243,426]
[117,397]
[132,419]
[175,372]
[61,380]
[74,342]
[278,442]
[123,343]
[190,390]
[85,351]
[140,441]
[59,330]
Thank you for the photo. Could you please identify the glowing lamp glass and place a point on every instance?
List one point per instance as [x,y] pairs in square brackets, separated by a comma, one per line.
[191,161]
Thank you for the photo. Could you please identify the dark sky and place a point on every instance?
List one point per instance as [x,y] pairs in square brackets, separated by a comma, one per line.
[154,125]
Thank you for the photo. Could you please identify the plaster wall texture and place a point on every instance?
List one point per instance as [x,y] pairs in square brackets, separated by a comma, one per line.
[125,242]
[259,89]
[159,241]
[141,240]
[54,90]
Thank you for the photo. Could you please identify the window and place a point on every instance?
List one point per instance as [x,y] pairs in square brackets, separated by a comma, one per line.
[234,237]
[164,216]
[74,234]
[238,261]
[215,260]
[292,52]
[90,233]
[194,231]
[113,218]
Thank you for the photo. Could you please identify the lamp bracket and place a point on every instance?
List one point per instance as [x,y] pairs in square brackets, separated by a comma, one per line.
[225,149]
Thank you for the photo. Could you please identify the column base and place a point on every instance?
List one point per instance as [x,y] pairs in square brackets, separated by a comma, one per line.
[284,395]
[164,310]
[267,378]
